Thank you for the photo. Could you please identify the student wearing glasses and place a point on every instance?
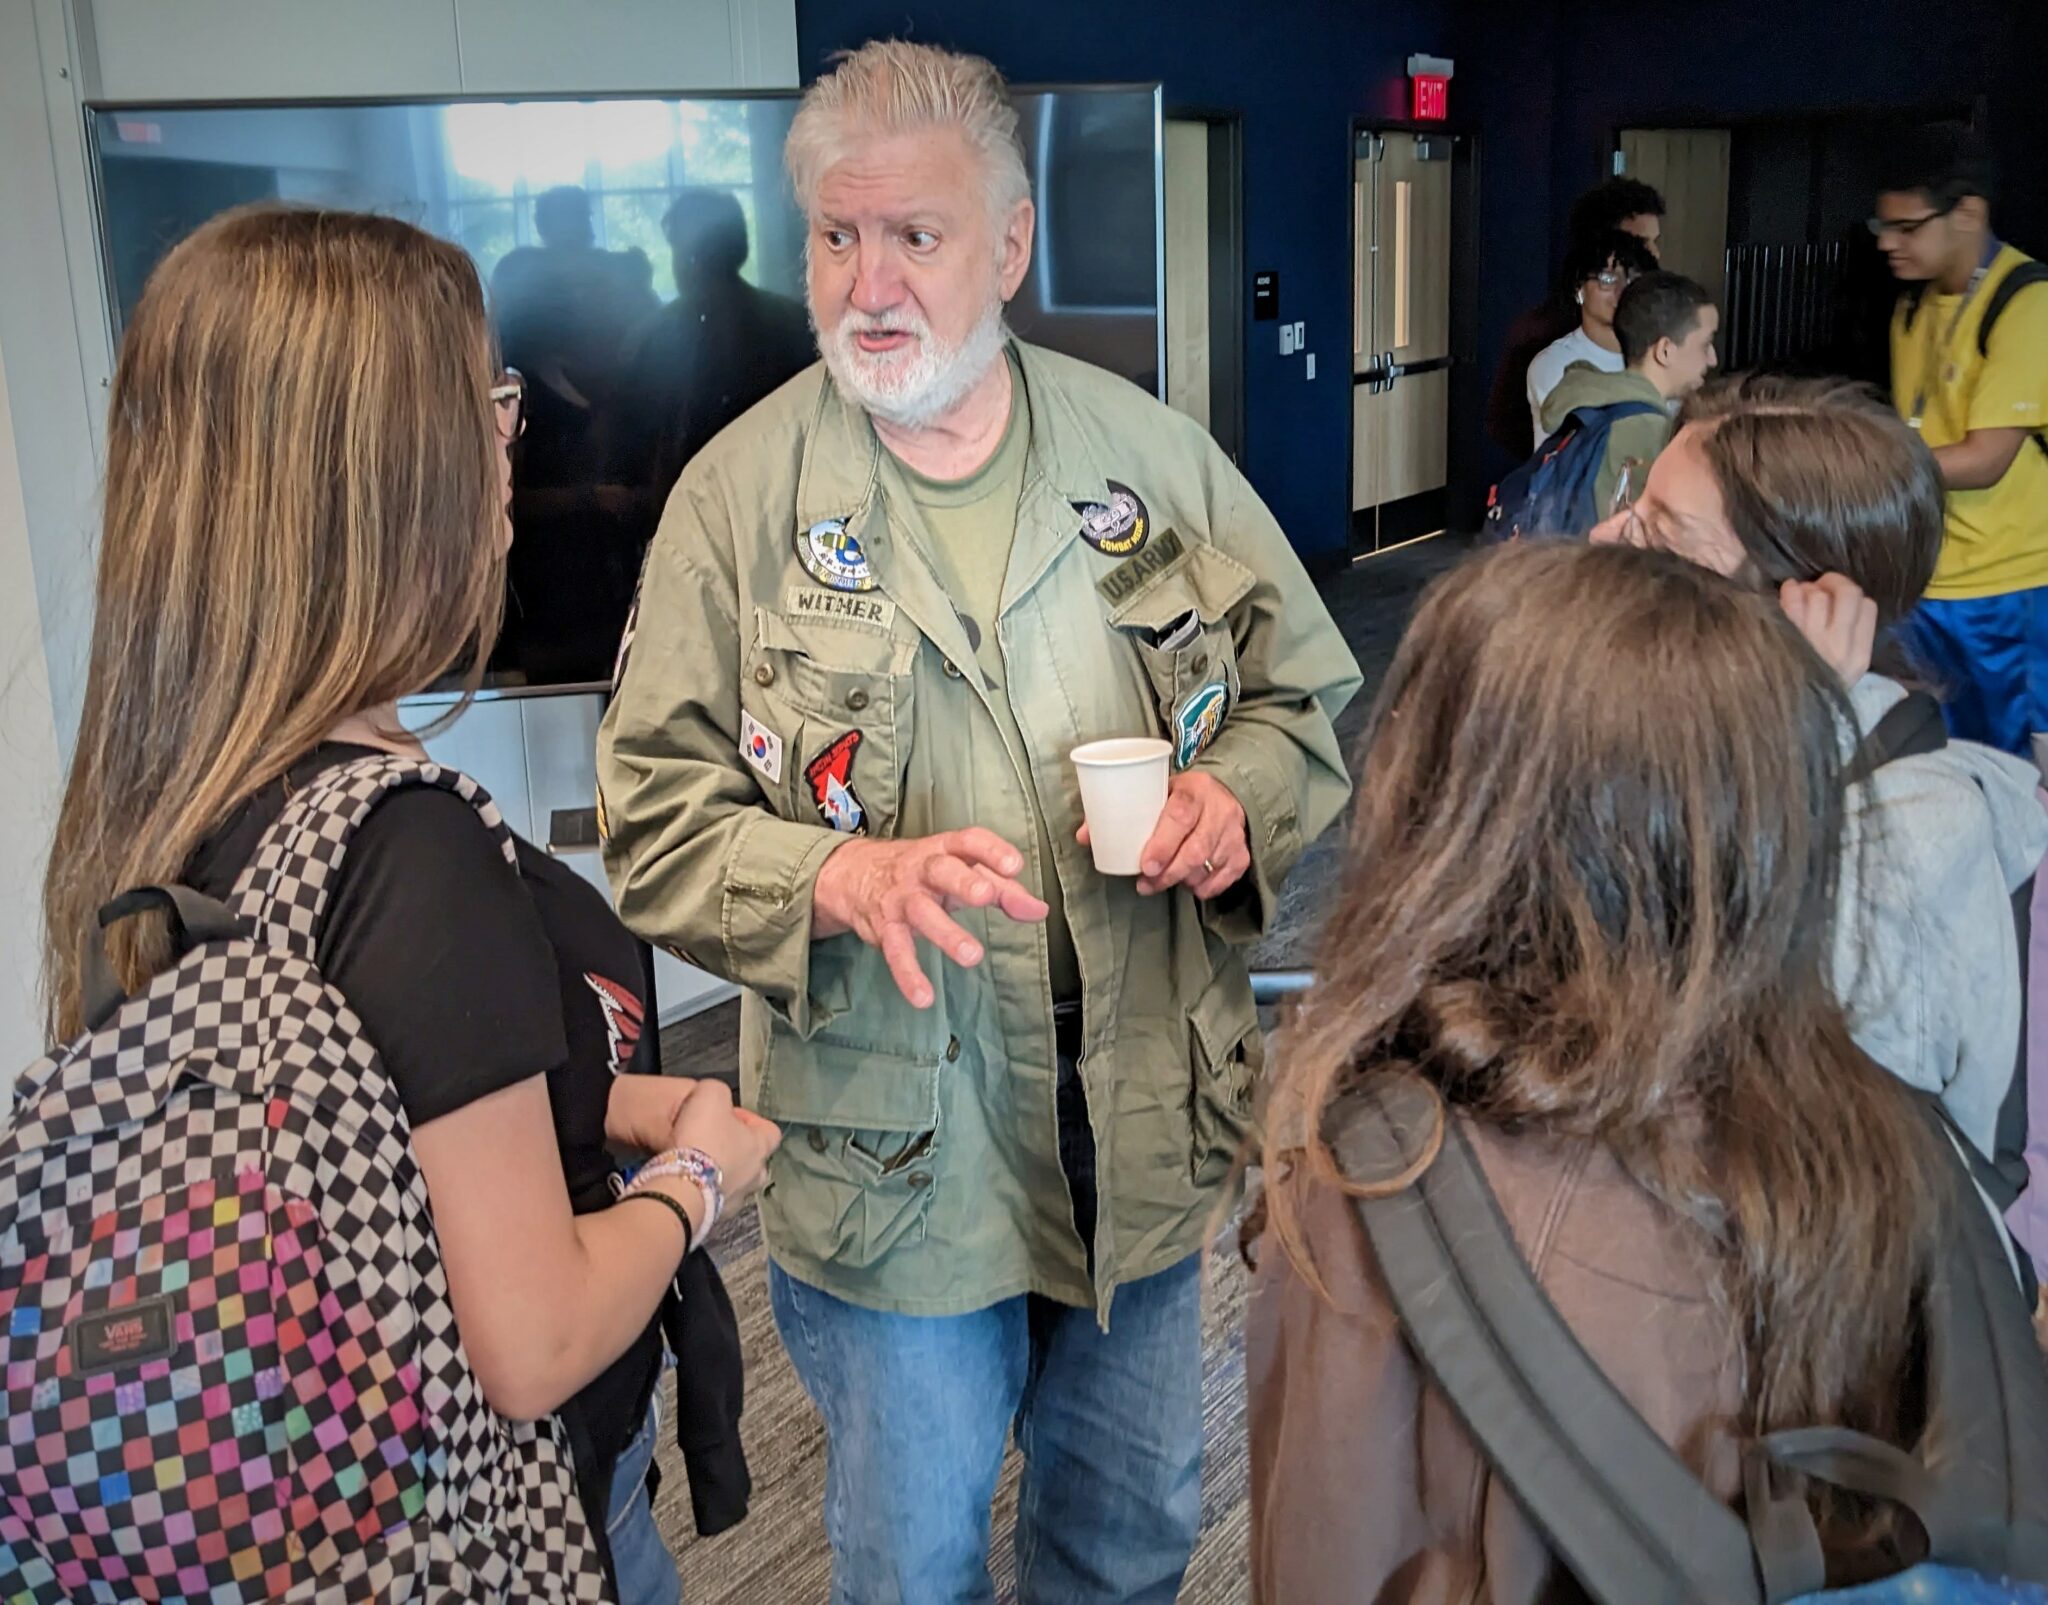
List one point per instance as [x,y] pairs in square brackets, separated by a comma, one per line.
[1598,270]
[1970,373]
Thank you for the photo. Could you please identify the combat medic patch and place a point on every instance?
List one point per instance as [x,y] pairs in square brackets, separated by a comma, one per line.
[760,746]
[831,778]
[1198,721]
[834,558]
[1117,527]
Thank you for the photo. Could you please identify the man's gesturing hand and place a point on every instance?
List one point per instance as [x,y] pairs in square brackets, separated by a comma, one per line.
[890,893]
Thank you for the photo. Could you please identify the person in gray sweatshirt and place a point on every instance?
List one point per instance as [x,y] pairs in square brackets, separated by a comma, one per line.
[1782,482]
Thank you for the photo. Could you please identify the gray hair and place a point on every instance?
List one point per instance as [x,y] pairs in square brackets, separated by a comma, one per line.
[889,86]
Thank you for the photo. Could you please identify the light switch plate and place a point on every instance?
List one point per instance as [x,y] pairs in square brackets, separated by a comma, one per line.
[1300,336]
[1311,364]
[1286,339]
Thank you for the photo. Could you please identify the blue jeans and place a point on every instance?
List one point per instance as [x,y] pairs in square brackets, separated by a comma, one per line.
[645,1569]
[917,1409]
[1989,658]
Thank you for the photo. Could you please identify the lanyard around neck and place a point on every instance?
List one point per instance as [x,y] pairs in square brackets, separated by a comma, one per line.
[1941,343]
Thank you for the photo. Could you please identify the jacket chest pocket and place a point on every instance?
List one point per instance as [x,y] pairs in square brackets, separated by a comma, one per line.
[828,720]
[1180,627]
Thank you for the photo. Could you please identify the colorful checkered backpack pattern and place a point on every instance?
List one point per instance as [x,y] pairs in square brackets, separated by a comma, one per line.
[230,1365]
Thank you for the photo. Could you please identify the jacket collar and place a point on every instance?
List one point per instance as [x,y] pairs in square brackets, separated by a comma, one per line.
[842,456]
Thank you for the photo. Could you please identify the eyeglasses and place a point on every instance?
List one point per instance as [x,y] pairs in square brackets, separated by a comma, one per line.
[508,395]
[1906,227]
[1611,279]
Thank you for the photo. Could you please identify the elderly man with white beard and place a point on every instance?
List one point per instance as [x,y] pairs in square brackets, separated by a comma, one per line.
[881,611]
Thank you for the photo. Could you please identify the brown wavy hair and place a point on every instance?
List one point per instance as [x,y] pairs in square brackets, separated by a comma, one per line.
[1820,476]
[302,522]
[1589,891]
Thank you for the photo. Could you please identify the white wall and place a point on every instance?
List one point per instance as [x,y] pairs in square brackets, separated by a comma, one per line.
[29,775]
[55,346]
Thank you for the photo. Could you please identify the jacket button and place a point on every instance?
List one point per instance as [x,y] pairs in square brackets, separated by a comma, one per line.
[919,1180]
[953,1051]
[817,1141]
[765,674]
[952,670]
[856,700]
[1201,664]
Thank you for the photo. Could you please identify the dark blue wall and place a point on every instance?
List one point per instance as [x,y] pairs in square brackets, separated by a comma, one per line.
[1299,71]
[1549,84]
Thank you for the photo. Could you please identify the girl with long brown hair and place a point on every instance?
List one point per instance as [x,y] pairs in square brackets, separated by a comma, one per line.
[1588,900]
[307,476]
[1774,481]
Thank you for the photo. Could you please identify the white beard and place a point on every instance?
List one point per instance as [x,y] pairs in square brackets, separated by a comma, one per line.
[914,387]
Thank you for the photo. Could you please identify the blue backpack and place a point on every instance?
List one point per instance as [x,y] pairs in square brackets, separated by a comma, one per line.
[1552,493]
[1617,1508]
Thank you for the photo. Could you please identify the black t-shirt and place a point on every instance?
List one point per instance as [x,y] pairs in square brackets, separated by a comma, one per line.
[469,979]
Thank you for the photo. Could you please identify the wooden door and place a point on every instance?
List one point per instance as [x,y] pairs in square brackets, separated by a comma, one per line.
[1689,168]
[1188,300]
[1400,407]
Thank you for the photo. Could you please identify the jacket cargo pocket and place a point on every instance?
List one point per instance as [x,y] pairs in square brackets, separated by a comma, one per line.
[860,1151]
[1180,624]
[840,703]
[1227,1058]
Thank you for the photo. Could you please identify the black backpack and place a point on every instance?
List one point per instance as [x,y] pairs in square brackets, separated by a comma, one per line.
[1617,1508]
[2018,279]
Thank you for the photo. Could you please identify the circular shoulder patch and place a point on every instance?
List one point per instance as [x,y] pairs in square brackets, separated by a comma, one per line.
[1117,527]
[834,558]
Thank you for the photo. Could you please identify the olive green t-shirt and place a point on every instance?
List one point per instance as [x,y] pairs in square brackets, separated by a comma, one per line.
[969,526]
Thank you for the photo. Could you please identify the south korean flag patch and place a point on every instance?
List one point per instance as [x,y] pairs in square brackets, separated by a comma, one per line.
[761,747]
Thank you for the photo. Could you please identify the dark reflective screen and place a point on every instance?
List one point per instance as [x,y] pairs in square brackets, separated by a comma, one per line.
[643,263]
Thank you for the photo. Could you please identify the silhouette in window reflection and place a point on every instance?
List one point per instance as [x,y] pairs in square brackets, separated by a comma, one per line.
[708,355]
[564,311]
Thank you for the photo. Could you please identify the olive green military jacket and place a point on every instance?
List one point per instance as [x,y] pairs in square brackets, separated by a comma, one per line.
[793,673]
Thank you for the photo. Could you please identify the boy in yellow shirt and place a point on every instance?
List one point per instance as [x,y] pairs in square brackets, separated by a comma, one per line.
[1970,372]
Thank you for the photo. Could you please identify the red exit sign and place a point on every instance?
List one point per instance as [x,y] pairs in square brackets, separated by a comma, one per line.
[1429,81]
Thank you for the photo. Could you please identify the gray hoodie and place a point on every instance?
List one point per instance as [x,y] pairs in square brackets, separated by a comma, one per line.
[1926,955]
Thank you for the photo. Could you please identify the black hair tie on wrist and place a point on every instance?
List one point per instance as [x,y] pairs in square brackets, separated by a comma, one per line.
[669,1204]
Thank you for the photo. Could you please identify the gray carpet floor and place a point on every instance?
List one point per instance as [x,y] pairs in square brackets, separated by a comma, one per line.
[779,1556]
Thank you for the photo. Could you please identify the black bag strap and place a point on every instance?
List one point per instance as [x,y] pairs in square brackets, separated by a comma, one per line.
[1608,1495]
[1979,1485]
[195,920]
[1910,728]
[2001,297]
[2018,279]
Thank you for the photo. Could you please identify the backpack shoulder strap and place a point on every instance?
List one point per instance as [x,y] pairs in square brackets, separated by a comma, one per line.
[1615,411]
[1608,1495]
[2027,273]
[1910,728]
[2018,279]
[284,890]
[1978,1484]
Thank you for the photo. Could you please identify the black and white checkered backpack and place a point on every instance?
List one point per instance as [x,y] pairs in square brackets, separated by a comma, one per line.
[231,1370]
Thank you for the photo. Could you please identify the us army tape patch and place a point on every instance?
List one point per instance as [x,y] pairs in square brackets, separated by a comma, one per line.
[1117,527]
[1199,720]
[1124,581]
[834,558]
[839,607]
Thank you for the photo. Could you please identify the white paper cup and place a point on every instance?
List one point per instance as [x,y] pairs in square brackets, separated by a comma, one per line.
[1123,793]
